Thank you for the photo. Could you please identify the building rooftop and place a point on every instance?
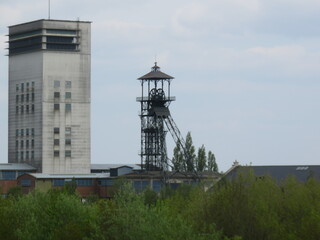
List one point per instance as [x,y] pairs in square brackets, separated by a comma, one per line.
[109,166]
[48,20]
[64,176]
[155,74]
[16,166]
[279,172]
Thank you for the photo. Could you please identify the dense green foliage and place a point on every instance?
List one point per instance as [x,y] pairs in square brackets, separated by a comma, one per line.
[247,208]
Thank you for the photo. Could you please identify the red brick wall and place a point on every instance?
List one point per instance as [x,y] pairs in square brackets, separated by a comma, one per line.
[26,189]
[5,185]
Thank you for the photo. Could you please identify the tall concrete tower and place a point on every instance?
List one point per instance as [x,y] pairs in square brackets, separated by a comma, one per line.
[49,95]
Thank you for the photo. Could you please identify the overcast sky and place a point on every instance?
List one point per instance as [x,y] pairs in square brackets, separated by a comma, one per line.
[246,73]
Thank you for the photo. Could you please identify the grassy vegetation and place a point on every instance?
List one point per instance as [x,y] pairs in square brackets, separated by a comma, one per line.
[246,208]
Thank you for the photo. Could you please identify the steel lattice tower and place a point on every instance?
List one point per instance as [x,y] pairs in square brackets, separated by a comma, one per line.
[155,100]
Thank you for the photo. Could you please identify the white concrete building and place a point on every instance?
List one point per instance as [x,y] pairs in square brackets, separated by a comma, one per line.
[49,95]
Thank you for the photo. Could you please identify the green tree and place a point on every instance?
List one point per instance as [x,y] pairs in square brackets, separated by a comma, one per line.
[15,192]
[177,159]
[201,159]
[212,164]
[70,187]
[189,154]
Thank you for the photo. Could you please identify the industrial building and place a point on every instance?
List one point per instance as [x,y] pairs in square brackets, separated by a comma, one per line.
[277,172]
[49,95]
[49,117]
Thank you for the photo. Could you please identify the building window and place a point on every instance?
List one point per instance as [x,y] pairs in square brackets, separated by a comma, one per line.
[68,130]
[32,143]
[17,87]
[27,108]
[22,98]
[27,97]
[32,155]
[22,109]
[27,155]
[59,46]
[25,182]
[22,132]
[58,182]
[61,31]
[21,173]
[27,131]
[56,94]
[27,143]
[21,143]
[56,130]
[22,87]
[56,153]
[68,141]
[68,153]
[27,86]
[8,175]
[32,86]
[156,186]
[56,84]
[17,144]
[32,97]
[84,182]
[140,185]
[17,109]
[68,95]
[56,142]
[17,132]
[32,131]
[21,155]
[105,182]
[56,106]
[17,156]
[68,84]
[68,107]
[17,98]
[32,108]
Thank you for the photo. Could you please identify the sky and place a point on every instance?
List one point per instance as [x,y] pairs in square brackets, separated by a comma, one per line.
[246,74]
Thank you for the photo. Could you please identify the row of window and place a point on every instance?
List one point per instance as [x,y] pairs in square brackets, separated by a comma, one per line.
[57,46]
[78,182]
[56,84]
[40,31]
[29,87]
[25,182]
[28,97]
[33,40]
[25,109]
[25,42]
[51,39]
[56,106]
[10,175]
[67,153]
[28,143]
[56,130]
[27,155]
[56,142]
[67,95]
[22,131]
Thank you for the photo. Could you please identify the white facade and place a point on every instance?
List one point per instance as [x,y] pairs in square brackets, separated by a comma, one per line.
[49,95]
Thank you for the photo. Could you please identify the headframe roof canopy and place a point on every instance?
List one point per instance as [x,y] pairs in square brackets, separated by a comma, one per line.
[155,74]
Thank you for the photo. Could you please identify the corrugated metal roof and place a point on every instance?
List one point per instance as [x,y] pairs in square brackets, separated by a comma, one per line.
[68,176]
[280,172]
[109,166]
[16,166]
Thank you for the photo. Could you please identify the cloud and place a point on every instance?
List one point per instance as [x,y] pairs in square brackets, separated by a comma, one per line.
[209,17]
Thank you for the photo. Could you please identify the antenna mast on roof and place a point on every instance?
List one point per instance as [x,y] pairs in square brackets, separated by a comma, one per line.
[48,9]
